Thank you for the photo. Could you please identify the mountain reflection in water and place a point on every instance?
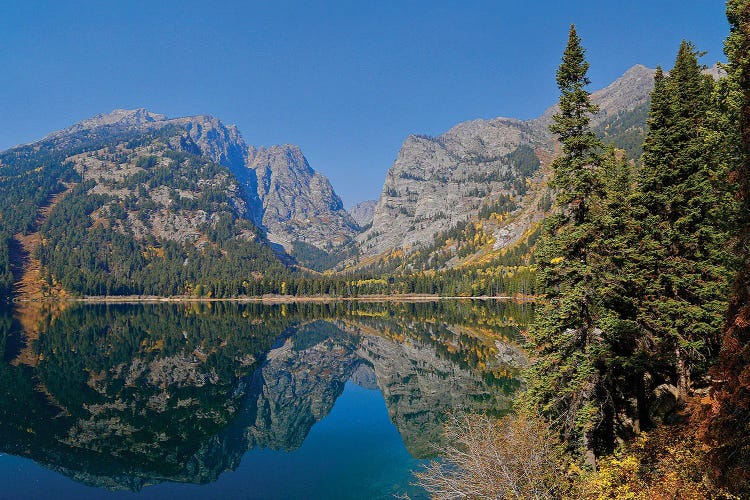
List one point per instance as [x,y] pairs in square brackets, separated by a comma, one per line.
[123,396]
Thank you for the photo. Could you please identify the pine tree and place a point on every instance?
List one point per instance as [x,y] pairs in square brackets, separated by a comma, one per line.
[729,427]
[564,380]
[677,203]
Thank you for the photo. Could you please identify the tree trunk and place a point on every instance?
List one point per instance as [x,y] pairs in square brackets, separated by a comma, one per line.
[683,377]
[589,455]
[643,422]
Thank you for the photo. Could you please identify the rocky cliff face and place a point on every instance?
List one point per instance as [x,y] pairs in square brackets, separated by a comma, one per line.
[437,182]
[363,212]
[299,204]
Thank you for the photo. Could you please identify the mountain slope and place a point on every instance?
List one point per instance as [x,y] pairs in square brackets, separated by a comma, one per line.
[146,215]
[485,167]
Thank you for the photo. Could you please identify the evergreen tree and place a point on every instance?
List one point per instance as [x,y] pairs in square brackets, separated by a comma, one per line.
[729,427]
[564,381]
[680,207]
[624,402]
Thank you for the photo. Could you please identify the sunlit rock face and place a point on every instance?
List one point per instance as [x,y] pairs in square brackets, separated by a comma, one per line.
[363,212]
[437,182]
[298,203]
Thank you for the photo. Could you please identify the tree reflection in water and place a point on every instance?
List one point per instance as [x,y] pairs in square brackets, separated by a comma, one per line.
[122,396]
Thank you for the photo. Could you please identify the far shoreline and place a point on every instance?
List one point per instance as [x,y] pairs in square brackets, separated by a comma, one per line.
[269,299]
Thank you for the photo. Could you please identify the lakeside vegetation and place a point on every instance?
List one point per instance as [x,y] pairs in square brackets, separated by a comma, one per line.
[633,392]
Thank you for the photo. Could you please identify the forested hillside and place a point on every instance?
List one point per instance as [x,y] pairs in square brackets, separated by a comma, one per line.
[142,213]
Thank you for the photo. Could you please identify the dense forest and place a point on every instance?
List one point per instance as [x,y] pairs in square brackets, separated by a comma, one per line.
[632,379]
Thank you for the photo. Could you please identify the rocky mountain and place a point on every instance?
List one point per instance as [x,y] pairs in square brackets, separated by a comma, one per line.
[125,204]
[363,212]
[285,196]
[298,203]
[438,182]
[131,202]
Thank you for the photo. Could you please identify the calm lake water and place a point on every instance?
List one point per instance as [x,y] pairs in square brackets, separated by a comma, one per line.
[224,400]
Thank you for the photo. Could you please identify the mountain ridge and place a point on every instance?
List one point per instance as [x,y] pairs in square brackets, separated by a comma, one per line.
[310,193]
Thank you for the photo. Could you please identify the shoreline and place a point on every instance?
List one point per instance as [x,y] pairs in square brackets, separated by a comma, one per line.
[269,299]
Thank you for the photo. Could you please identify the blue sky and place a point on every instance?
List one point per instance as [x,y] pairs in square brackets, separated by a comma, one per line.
[346,80]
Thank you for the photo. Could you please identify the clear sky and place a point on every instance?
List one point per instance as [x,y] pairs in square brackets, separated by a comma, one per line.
[345,80]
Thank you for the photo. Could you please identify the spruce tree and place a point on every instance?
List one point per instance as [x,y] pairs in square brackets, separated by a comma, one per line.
[682,264]
[564,382]
[624,402]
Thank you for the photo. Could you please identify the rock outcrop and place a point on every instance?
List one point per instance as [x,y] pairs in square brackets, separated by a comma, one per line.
[363,212]
[437,182]
[299,204]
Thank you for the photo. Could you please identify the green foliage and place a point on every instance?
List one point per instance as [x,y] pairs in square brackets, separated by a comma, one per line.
[525,161]
[564,381]
[6,272]
[100,260]
[681,204]
[503,205]
[319,260]
[626,130]
[575,169]
[633,265]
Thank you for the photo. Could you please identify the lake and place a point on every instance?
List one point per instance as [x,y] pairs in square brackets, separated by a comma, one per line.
[225,400]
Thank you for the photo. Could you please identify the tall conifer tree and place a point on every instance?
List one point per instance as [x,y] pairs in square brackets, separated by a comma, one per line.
[623,395]
[678,199]
[564,380]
